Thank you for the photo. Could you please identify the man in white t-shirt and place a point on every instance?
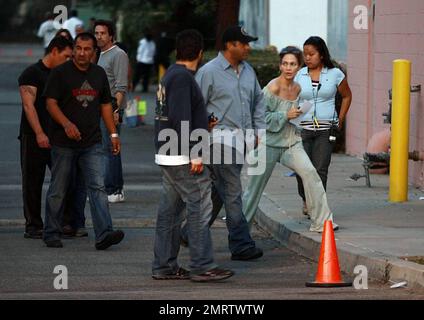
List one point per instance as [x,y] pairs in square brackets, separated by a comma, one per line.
[145,61]
[74,23]
[47,30]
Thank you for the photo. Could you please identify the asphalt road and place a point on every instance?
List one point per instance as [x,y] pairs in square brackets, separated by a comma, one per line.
[123,272]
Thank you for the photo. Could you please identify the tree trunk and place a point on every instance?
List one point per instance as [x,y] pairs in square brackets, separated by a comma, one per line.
[227,15]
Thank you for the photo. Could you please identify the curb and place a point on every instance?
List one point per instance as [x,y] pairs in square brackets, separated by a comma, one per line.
[117,223]
[291,233]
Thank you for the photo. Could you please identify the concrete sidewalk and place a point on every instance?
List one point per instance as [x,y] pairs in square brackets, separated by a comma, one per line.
[373,232]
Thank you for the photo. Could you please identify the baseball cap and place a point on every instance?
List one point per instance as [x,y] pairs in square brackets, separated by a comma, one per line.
[237,33]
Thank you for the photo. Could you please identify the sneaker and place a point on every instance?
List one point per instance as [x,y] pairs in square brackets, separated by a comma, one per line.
[34,234]
[181,274]
[118,196]
[53,243]
[81,232]
[112,238]
[215,274]
[249,254]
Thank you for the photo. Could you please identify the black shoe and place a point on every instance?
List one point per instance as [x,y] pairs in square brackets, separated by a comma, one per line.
[111,239]
[34,234]
[249,254]
[216,274]
[68,232]
[181,274]
[53,243]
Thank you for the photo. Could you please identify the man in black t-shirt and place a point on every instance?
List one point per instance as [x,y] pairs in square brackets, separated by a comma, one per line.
[78,95]
[35,144]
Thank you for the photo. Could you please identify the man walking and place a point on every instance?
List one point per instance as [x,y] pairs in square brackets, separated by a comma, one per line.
[47,30]
[145,60]
[35,144]
[180,108]
[78,95]
[115,62]
[232,93]
[74,24]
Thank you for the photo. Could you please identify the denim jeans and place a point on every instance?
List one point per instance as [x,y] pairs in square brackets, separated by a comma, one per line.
[114,181]
[75,201]
[180,187]
[90,162]
[229,188]
[319,148]
[34,161]
[217,205]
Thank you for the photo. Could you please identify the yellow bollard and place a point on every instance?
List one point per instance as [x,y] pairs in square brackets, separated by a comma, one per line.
[400,131]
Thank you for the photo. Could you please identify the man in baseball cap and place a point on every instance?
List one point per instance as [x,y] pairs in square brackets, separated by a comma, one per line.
[232,93]
[237,33]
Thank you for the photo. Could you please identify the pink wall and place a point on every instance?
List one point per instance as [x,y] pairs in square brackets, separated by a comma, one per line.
[397,32]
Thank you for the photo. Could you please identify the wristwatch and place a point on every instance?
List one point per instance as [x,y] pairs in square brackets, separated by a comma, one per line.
[114,135]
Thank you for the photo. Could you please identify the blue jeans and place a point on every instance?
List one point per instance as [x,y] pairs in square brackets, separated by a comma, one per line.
[217,205]
[114,181]
[76,200]
[229,188]
[90,162]
[180,187]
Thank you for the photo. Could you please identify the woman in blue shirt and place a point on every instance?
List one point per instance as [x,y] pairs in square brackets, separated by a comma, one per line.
[320,81]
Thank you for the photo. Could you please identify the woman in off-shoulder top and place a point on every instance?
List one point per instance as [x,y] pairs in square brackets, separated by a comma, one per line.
[283,144]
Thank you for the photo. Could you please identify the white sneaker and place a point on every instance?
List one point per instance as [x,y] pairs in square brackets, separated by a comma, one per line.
[116,197]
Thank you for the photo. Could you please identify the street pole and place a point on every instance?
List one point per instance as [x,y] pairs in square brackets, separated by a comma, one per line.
[400,131]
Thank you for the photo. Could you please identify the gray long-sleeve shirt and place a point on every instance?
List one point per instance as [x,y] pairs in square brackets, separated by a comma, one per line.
[115,62]
[235,99]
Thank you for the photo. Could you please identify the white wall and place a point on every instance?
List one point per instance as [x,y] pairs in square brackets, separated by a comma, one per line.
[293,21]
[253,16]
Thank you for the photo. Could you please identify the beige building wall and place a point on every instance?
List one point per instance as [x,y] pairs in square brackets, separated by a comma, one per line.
[395,31]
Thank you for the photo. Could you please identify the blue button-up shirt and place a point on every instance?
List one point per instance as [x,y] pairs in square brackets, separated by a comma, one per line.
[236,99]
[324,100]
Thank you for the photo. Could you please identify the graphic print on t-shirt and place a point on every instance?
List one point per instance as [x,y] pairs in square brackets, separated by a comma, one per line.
[85,94]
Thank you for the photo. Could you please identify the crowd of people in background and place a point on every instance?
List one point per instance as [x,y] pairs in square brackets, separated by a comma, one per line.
[73,102]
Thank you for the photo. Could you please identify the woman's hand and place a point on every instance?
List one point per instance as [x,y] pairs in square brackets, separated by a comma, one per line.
[293,113]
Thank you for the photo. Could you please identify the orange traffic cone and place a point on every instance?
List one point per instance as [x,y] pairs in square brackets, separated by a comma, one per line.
[328,274]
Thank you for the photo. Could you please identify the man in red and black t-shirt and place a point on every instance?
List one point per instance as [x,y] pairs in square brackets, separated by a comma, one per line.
[78,95]
[35,144]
